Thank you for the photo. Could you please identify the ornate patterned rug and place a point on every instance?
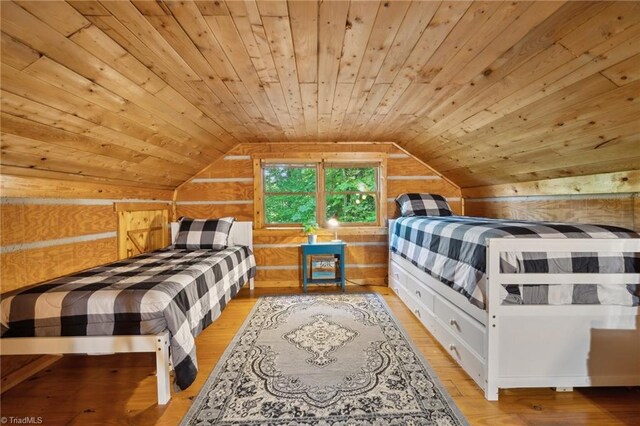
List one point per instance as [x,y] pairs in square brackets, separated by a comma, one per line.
[322,360]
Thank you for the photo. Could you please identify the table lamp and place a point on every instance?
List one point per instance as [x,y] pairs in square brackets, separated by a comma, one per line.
[333,223]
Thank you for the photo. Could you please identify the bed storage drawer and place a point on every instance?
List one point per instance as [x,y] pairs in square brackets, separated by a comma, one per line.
[468,360]
[461,335]
[419,291]
[463,326]
[397,274]
[397,289]
[417,308]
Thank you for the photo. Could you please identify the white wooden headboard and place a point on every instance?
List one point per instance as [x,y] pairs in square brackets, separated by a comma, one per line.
[241,233]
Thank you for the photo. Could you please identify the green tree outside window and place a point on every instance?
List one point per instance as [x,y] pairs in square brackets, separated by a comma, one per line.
[292,193]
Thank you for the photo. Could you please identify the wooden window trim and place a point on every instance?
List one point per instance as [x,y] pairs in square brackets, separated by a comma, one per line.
[376,160]
[314,157]
[258,196]
[276,162]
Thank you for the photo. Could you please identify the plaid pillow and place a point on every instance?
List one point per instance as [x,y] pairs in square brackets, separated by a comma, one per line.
[195,234]
[417,204]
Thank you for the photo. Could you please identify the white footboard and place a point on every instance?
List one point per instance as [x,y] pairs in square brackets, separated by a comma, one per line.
[560,346]
[95,345]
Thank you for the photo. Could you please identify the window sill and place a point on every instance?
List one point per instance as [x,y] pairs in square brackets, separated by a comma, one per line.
[351,230]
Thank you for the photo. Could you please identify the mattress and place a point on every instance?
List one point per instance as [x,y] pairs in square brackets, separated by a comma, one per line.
[182,291]
[453,250]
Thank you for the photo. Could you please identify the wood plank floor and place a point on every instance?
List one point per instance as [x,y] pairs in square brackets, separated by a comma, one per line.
[120,389]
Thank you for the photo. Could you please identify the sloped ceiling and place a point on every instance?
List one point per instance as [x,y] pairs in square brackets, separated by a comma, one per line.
[150,92]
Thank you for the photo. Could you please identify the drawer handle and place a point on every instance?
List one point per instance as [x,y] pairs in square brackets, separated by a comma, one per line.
[417,313]
[452,347]
[418,293]
[453,322]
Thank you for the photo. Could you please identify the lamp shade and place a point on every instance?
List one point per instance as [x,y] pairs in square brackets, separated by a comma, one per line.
[333,223]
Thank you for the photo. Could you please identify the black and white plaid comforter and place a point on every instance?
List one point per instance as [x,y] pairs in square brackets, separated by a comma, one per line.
[182,291]
[452,249]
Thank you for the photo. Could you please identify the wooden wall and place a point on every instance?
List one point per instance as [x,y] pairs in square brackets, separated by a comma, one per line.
[51,228]
[611,198]
[226,188]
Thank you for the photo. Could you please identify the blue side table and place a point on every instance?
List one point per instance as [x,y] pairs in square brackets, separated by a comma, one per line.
[333,248]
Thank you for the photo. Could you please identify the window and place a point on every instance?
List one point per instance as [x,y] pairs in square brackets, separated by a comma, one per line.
[297,193]
[290,193]
[351,193]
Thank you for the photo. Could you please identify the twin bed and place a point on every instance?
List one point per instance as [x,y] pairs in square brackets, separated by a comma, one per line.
[523,304]
[155,302]
[517,304]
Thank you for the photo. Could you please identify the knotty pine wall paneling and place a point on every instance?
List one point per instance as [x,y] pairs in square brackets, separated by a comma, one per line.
[226,189]
[142,227]
[50,228]
[611,199]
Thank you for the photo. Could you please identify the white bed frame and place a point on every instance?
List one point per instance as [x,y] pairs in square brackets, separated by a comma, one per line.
[527,346]
[241,234]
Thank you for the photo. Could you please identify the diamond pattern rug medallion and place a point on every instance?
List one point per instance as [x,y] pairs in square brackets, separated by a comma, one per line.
[328,360]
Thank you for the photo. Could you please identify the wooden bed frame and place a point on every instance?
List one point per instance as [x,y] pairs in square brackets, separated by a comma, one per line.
[241,234]
[523,346]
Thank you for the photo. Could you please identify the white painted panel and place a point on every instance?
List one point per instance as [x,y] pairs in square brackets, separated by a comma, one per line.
[568,346]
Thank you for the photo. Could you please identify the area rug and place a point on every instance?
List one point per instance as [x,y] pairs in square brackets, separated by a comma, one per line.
[324,360]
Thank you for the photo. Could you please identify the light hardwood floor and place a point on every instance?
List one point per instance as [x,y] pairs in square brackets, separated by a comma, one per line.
[120,389]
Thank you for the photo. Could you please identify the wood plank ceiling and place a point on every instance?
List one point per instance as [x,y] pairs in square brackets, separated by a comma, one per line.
[149,92]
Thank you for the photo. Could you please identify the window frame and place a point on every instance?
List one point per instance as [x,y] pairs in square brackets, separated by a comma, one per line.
[376,194]
[377,162]
[263,189]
